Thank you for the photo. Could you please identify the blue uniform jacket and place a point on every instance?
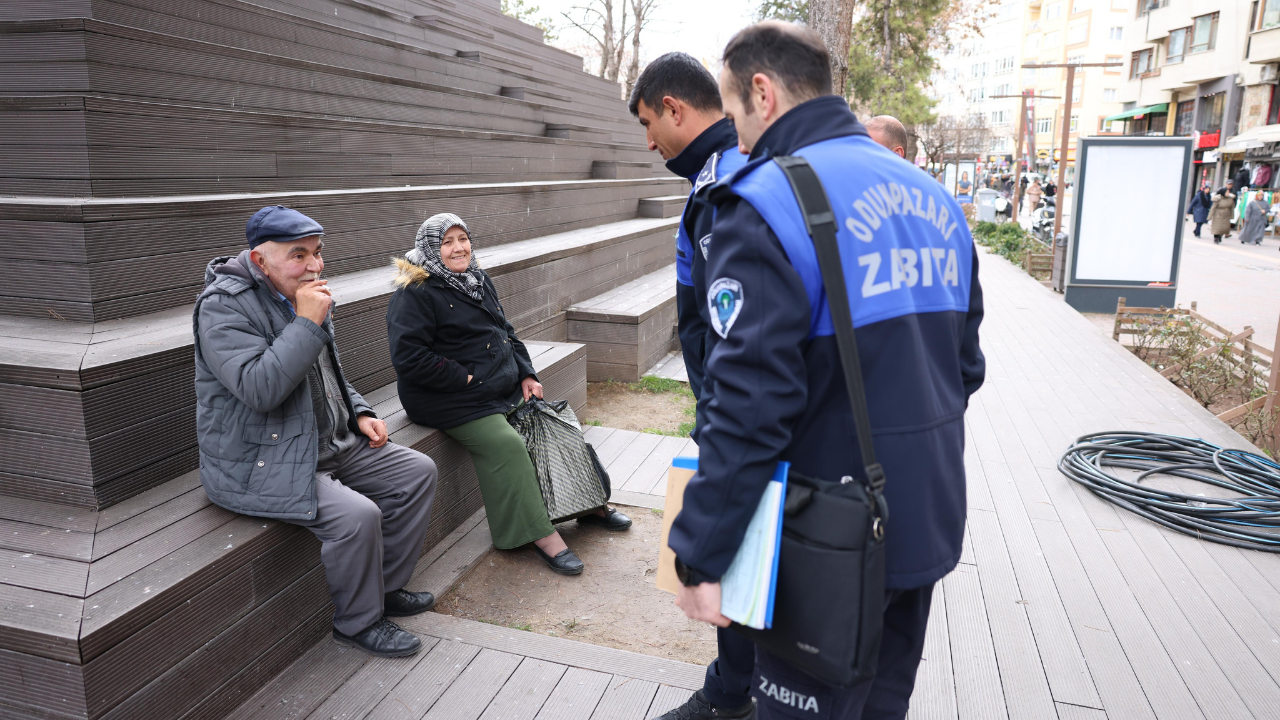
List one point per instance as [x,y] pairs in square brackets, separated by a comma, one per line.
[711,156]
[775,388]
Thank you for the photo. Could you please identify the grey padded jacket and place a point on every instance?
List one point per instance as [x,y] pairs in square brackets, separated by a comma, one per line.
[254,415]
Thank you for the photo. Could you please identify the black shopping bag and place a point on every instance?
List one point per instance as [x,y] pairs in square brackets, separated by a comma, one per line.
[572,480]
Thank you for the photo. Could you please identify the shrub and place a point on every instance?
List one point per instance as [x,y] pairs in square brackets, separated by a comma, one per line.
[1008,240]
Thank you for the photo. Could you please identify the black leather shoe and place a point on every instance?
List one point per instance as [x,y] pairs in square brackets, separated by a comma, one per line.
[383,638]
[698,707]
[564,563]
[614,520]
[402,603]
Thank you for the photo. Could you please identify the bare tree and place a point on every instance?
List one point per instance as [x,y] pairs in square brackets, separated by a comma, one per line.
[950,139]
[641,13]
[596,20]
[833,21]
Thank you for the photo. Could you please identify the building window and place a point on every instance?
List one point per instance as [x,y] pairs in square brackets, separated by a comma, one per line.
[1044,125]
[1053,11]
[1142,63]
[1074,121]
[1001,144]
[1078,33]
[1051,39]
[1270,16]
[977,94]
[1108,126]
[1033,43]
[1075,93]
[1115,60]
[1075,59]
[1177,46]
[999,117]
[1186,112]
[1004,89]
[1204,33]
[1108,94]
[974,70]
[1004,65]
[1211,111]
[1117,33]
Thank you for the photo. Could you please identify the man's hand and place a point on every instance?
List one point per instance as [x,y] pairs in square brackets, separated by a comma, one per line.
[313,301]
[530,387]
[374,429]
[702,602]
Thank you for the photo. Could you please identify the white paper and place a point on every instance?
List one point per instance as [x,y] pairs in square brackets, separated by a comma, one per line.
[744,589]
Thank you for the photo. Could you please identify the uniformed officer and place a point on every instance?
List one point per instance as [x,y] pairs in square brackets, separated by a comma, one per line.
[774,373]
[678,102]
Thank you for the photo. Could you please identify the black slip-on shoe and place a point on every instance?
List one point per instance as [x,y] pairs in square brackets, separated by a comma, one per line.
[403,603]
[612,521]
[383,638]
[564,563]
[697,707]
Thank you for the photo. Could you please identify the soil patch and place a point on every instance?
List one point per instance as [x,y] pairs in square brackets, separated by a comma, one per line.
[655,405]
[614,602]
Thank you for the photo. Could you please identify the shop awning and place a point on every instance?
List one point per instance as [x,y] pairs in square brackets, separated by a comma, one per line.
[1252,138]
[1138,112]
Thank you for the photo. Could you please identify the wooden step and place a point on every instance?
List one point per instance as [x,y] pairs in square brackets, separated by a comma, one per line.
[108,390]
[144,609]
[101,259]
[628,329]
[663,207]
[621,170]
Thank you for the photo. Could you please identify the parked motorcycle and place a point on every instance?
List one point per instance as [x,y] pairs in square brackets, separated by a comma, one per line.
[1042,220]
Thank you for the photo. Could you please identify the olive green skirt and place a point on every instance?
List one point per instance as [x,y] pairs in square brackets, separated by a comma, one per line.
[512,500]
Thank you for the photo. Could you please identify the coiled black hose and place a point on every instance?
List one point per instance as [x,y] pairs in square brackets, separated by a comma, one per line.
[1250,519]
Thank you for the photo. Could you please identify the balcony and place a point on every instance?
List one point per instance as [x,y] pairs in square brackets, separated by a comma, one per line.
[1264,46]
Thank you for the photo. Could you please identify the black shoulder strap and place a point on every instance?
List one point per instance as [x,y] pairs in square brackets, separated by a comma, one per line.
[820,221]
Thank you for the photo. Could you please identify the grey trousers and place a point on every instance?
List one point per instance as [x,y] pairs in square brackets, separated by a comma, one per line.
[371,519]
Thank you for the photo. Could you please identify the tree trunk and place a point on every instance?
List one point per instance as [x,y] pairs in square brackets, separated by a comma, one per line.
[833,21]
[638,12]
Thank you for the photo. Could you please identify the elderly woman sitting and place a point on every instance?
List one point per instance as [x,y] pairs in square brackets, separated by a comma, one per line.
[461,368]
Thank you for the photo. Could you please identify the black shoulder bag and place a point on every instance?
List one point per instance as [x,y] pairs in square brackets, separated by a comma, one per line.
[829,607]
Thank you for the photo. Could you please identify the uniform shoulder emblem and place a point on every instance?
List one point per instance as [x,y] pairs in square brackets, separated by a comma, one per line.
[724,298]
[708,174]
[705,244]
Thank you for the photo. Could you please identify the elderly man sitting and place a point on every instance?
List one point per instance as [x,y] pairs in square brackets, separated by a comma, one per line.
[283,435]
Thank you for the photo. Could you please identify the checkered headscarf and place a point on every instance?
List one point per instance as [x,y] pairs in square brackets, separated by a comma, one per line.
[426,254]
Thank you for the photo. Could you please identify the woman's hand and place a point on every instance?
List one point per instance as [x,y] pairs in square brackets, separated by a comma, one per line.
[530,387]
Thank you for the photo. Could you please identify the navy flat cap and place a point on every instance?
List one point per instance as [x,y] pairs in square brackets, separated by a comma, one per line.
[277,223]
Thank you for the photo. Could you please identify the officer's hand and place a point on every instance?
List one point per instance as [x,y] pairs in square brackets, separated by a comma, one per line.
[374,429]
[702,602]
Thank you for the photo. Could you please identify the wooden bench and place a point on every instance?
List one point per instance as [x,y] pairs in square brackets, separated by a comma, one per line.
[165,602]
[628,329]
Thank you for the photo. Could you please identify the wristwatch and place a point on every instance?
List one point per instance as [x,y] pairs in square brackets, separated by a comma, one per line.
[690,576]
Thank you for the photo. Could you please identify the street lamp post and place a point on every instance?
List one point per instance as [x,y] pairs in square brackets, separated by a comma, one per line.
[1022,132]
[1066,127]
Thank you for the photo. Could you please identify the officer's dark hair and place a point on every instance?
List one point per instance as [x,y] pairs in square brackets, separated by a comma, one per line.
[680,76]
[794,56]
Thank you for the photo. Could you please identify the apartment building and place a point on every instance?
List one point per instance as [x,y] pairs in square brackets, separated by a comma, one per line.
[1206,69]
[1074,31]
[973,73]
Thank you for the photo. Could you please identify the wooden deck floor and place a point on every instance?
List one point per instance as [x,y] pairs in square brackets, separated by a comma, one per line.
[1062,607]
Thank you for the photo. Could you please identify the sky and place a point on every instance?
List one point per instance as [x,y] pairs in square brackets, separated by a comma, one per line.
[698,27]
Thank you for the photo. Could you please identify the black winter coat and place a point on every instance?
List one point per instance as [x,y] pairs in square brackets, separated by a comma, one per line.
[438,337]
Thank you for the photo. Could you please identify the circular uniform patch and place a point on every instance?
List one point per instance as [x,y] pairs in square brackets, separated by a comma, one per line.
[725,301]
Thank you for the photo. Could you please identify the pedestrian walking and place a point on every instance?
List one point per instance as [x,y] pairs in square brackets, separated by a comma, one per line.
[774,369]
[1034,193]
[1199,207]
[1255,220]
[1224,203]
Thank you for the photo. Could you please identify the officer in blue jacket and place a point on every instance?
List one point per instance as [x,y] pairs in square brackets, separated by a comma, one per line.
[678,102]
[773,370]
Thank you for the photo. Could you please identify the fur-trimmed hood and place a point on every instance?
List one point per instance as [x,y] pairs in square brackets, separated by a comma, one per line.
[409,274]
